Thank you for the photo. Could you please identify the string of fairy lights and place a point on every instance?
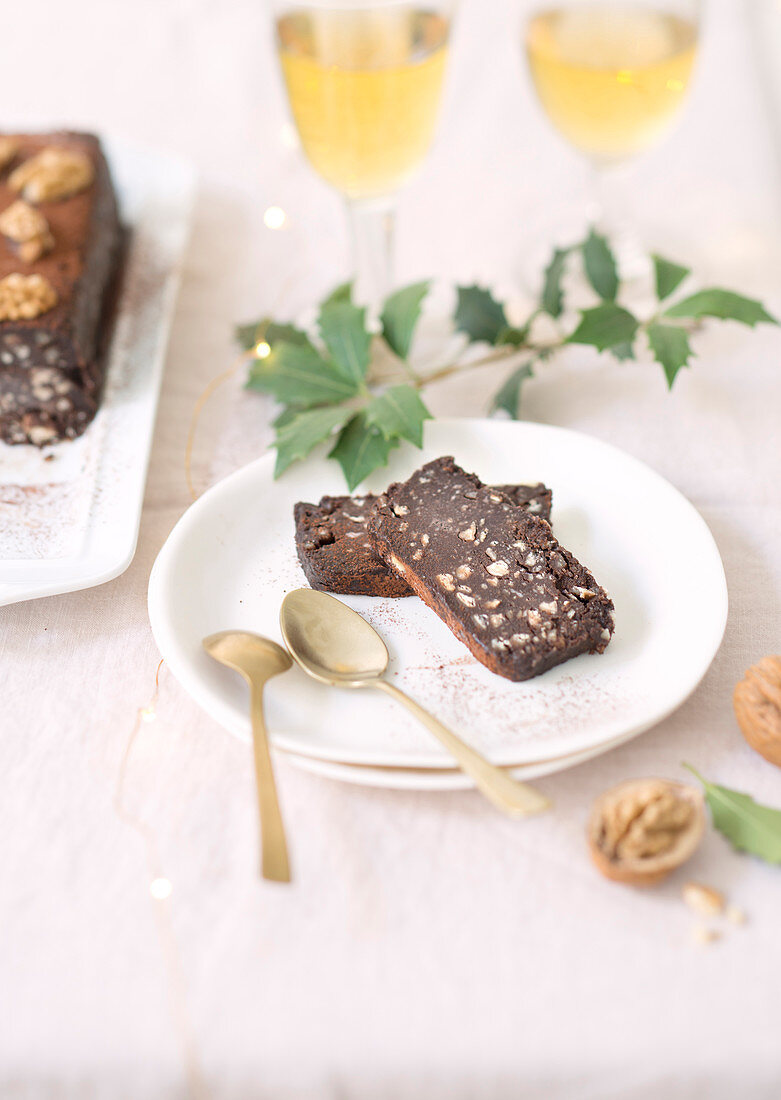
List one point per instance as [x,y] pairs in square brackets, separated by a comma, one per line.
[159,884]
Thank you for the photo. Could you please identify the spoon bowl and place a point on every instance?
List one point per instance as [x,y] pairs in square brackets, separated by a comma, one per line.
[331,641]
[253,656]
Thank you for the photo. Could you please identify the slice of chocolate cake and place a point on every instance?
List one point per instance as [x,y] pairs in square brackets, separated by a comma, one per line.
[60,244]
[335,550]
[493,572]
[332,540]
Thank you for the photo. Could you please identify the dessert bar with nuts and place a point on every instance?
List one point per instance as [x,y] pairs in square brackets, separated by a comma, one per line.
[336,553]
[60,244]
[492,572]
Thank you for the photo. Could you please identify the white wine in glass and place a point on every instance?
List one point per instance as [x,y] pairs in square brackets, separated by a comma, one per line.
[364,81]
[612,77]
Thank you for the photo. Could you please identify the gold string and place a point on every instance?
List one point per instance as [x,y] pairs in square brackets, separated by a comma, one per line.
[212,388]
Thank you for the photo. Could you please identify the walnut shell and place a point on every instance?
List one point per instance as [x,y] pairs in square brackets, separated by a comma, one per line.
[757,702]
[643,829]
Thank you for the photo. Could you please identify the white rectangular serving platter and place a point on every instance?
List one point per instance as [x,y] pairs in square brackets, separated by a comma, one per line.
[70,513]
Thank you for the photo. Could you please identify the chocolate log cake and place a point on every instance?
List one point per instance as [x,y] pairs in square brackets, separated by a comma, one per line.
[60,242]
[492,572]
[335,551]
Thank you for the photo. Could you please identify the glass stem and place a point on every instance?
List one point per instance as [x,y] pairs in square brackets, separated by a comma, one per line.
[372,223]
[608,214]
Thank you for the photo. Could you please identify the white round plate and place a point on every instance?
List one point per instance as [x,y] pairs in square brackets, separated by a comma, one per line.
[231,559]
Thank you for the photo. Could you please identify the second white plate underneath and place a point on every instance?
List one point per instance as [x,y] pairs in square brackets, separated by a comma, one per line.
[231,559]
[433,779]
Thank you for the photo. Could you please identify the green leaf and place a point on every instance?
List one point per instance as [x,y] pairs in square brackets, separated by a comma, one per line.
[479,315]
[400,315]
[749,826]
[724,304]
[399,412]
[508,396]
[600,266]
[288,414]
[270,331]
[303,431]
[623,351]
[604,327]
[299,376]
[668,276]
[343,328]
[360,449]
[516,337]
[552,299]
[341,293]
[671,348]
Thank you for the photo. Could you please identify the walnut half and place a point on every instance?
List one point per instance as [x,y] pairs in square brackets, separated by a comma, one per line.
[643,829]
[24,297]
[26,229]
[54,173]
[757,702]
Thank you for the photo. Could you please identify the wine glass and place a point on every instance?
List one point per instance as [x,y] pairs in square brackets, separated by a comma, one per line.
[364,79]
[612,77]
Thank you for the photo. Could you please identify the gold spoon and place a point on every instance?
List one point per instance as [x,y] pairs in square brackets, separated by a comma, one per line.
[258,659]
[336,645]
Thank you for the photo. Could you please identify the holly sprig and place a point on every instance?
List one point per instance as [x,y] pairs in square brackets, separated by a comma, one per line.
[328,391]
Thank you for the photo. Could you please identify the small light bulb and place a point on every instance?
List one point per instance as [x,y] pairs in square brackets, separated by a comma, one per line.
[262,350]
[160,888]
[147,714]
[624,76]
[274,217]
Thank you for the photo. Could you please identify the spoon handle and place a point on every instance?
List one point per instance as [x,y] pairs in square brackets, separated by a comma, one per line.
[507,794]
[274,859]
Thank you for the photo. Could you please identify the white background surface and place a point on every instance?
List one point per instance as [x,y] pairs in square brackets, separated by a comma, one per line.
[429,948]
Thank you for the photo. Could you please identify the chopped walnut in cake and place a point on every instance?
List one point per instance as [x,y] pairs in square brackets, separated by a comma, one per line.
[24,297]
[9,147]
[54,173]
[27,229]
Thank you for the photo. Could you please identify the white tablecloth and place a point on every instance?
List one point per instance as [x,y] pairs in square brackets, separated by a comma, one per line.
[429,948]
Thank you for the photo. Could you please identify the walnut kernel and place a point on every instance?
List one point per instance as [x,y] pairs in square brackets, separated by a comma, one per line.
[23,297]
[27,229]
[703,899]
[643,829]
[757,702]
[54,173]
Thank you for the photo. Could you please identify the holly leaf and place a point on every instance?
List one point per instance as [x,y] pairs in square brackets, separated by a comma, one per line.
[724,304]
[668,276]
[623,351]
[552,299]
[343,328]
[508,396]
[341,293]
[479,315]
[299,375]
[400,315]
[748,825]
[605,327]
[270,331]
[671,347]
[399,412]
[360,449]
[600,266]
[516,337]
[301,432]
